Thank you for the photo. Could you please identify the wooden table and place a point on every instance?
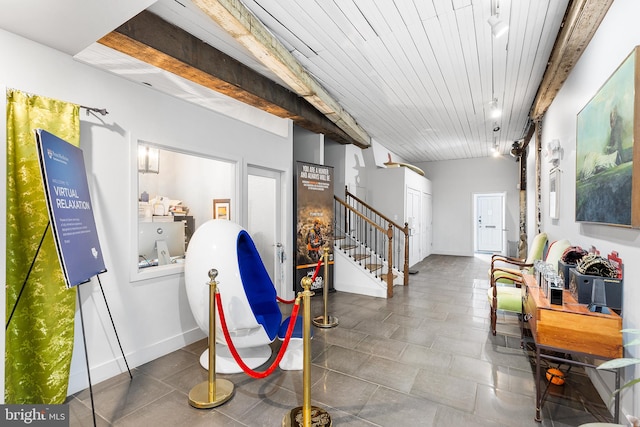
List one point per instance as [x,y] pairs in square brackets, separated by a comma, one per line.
[572,330]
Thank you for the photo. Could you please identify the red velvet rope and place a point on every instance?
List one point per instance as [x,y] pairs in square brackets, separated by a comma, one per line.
[285,301]
[315,274]
[234,352]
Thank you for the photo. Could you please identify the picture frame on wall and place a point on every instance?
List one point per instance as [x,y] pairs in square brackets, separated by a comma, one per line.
[607,184]
[554,193]
[222,209]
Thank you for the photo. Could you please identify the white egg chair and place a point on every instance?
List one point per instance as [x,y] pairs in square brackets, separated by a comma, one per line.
[248,296]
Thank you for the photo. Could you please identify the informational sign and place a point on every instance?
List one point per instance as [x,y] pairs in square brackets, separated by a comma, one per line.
[314,219]
[70,210]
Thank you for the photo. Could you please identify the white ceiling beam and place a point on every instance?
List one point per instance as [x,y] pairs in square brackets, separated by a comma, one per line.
[243,26]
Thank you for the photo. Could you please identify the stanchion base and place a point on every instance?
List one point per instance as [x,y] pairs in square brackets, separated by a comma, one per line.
[199,395]
[331,322]
[319,418]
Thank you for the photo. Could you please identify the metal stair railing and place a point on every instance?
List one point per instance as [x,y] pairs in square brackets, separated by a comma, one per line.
[371,238]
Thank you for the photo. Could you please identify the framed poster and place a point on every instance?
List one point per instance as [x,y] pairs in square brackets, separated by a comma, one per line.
[222,209]
[607,182]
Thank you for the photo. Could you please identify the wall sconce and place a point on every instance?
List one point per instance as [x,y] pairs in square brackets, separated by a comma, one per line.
[498,27]
[554,152]
[148,159]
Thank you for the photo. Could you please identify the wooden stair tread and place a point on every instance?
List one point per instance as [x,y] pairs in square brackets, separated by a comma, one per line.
[373,267]
[348,247]
[358,257]
[383,276]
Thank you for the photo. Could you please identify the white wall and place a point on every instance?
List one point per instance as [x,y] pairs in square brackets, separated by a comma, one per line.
[152,316]
[350,167]
[453,184]
[618,34]
[308,146]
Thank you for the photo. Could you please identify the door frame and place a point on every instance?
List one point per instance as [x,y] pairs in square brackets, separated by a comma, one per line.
[281,275]
[474,219]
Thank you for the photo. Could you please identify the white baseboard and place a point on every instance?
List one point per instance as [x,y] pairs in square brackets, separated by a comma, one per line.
[79,381]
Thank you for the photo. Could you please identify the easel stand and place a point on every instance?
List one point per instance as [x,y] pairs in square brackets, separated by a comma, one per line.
[84,341]
[24,283]
[213,392]
[325,321]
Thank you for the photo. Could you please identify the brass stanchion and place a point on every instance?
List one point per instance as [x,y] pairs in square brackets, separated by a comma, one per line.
[325,321]
[306,414]
[213,392]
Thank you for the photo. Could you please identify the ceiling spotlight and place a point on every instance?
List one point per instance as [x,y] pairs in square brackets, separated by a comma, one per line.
[494,110]
[495,149]
[496,127]
[498,27]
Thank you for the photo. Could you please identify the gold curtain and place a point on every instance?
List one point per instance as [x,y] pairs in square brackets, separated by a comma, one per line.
[39,337]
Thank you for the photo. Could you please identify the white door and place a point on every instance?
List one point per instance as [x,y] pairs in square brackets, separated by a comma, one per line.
[264,218]
[489,222]
[414,219]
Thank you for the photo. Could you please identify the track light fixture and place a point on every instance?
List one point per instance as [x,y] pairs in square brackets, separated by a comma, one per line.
[496,148]
[498,27]
[494,110]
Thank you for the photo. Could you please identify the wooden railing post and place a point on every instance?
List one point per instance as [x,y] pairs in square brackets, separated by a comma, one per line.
[406,253]
[369,225]
[390,263]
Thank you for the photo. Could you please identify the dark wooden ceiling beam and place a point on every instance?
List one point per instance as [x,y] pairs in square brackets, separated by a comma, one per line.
[150,39]
[578,27]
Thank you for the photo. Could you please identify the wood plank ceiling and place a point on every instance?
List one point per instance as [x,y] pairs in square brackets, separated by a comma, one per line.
[418,76]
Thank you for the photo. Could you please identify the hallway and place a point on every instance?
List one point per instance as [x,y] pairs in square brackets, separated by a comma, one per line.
[423,358]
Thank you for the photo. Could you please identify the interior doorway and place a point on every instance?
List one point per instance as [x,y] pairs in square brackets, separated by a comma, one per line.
[489,223]
[264,219]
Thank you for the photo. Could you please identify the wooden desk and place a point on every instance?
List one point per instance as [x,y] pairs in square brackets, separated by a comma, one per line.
[569,329]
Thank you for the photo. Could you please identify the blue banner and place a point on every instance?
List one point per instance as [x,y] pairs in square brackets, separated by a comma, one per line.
[70,209]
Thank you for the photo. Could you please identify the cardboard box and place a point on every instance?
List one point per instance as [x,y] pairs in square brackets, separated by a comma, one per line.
[581,286]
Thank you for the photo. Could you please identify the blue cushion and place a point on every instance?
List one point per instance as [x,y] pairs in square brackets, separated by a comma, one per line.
[257,284]
[297,329]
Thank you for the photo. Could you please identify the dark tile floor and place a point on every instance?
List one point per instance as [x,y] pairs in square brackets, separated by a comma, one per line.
[423,358]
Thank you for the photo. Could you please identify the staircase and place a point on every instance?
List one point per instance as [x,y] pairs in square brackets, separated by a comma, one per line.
[373,249]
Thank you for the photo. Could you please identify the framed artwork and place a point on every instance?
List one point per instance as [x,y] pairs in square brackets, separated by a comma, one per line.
[607,184]
[554,193]
[221,208]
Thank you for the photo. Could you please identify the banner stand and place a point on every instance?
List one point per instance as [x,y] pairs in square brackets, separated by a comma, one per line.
[72,223]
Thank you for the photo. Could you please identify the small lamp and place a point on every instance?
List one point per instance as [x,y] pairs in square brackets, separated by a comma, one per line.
[148,159]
